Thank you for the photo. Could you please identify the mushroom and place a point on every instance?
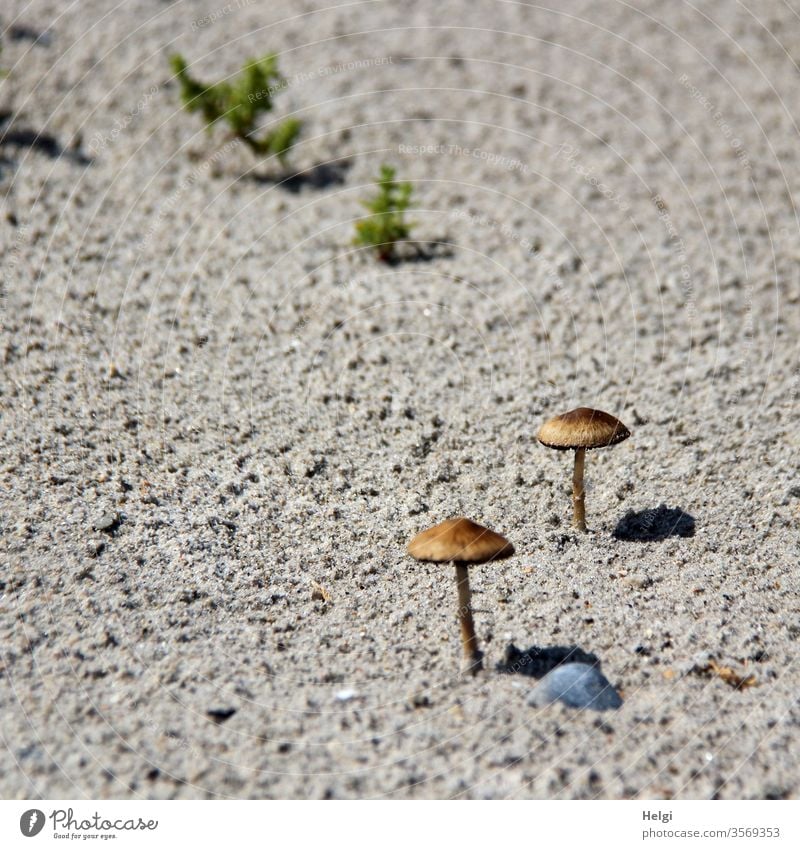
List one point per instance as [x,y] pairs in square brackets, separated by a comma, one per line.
[461,542]
[581,430]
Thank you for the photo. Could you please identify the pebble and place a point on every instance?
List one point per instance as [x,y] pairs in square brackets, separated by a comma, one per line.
[639,582]
[95,547]
[346,695]
[107,522]
[576,685]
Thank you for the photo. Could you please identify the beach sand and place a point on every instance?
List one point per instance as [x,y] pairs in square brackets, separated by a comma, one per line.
[212,400]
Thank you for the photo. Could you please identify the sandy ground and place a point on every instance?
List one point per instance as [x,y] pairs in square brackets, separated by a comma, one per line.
[191,344]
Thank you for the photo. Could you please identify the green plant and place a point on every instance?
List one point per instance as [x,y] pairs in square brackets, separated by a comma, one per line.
[240,102]
[386,225]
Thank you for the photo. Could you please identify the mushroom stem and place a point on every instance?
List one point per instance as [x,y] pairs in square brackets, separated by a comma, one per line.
[578,492]
[473,656]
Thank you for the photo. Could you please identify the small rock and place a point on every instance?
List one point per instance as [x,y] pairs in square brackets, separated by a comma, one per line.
[215,522]
[318,592]
[108,522]
[640,582]
[346,695]
[576,685]
[87,572]
[95,547]
[417,506]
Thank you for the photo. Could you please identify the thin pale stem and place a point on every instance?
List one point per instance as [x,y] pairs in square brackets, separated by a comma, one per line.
[578,492]
[469,642]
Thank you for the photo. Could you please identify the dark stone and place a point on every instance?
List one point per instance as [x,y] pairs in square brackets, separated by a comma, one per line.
[220,715]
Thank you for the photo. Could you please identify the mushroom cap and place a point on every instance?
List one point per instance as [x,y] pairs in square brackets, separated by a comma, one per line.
[460,540]
[582,428]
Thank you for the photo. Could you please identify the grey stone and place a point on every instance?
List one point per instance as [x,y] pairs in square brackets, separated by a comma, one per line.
[577,685]
[108,522]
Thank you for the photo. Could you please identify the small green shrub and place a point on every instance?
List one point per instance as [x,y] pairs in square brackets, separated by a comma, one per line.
[386,225]
[240,102]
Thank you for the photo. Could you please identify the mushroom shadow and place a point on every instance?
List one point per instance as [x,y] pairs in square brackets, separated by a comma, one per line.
[565,674]
[653,525]
[538,661]
[22,32]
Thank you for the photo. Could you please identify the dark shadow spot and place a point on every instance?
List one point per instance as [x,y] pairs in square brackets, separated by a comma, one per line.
[220,715]
[429,251]
[320,176]
[40,142]
[215,523]
[21,32]
[413,250]
[537,661]
[658,523]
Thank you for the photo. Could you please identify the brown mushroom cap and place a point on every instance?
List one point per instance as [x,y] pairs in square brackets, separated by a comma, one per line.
[460,540]
[582,428]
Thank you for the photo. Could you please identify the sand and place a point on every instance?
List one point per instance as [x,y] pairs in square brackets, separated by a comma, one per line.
[211,400]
